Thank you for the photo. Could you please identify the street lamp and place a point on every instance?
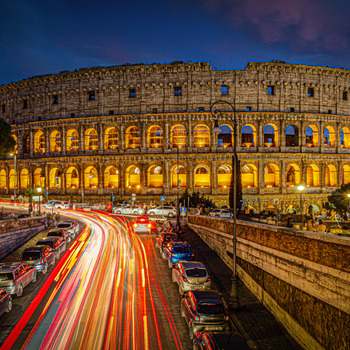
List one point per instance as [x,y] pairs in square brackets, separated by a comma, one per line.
[39,191]
[234,300]
[14,155]
[301,188]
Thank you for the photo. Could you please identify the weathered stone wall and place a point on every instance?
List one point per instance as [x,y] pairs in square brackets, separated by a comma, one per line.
[303,278]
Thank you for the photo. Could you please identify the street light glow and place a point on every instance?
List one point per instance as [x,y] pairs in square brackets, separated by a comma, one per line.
[301,188]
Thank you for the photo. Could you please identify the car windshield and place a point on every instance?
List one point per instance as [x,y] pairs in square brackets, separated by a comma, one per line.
[55,234]
[210,309]
[196,272]
[50,244]
[6,276]
[182,249]
[65,225]
[30,255]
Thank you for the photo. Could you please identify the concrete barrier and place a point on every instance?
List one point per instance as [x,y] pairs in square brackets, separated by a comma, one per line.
[303,278]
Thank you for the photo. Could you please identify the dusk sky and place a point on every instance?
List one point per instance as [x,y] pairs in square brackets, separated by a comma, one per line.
[39,37]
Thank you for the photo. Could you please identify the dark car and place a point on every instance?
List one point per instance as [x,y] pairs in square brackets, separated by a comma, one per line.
[219,341]
[23,216]
[40,257]
[5,301]
[60,232]
[165,238]
[204,310]
[71,226]
[57,244]
[177,251]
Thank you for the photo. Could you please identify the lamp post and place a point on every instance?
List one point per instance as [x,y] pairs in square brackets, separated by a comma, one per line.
[234,300]
[301,188]
[15,168]
[39,191]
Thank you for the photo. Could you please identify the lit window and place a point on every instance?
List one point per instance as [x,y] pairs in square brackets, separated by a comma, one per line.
[177,91]
[310,92]
[270,90]
[224,90]
[91,95]
[132,93]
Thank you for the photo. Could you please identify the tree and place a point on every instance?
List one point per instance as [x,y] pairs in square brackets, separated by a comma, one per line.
[239,194]
[339,198]
[196,199]
[29,193]
[7,142]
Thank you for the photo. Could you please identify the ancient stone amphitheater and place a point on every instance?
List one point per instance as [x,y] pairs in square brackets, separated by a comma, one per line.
[147,130]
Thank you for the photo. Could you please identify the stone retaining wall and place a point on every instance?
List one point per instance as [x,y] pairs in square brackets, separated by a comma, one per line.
[302,277]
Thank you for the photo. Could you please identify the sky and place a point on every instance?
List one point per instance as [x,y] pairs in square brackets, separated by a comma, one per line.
[39,37]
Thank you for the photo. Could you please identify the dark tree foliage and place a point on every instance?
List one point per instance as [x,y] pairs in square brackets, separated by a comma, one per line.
[239,194]
[29,193]
[7,142]
[339,198]
[196,200]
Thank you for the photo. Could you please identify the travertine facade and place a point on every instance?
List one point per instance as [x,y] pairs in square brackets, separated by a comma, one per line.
[145,128]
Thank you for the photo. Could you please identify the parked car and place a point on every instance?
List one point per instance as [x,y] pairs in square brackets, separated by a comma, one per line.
[40,257]
[71,226]
[204,310]
[60,232]
[23,216]
[57,244]
[190,275]
[219,341]
[129,210]
[5,301]
[164,238]
[163,210]
[61,205]
[142,225]
[177,251]
[215,212]
[14,277]
[225,213]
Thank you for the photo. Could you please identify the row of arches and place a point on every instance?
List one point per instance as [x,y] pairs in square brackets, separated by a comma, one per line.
[178,177]
[201,138]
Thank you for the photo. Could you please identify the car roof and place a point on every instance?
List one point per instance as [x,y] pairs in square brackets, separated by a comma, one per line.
[207,296]
[34,248]
[180,244]
[57,230]
[225,340]
[192,265]
[66,222]
[9,267]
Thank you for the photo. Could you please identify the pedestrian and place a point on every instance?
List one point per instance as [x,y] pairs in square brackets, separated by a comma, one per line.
[310,224]
[54,219]
[321,227]
[30,208]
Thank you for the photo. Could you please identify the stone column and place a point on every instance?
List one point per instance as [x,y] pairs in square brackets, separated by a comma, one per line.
[100,137]
[260,134]
[31,133]
[166,137]
[167,178]
[143,137]
[63,180]
[82,139]
[190,177]
[100,173]
[121,139]
[190,135]
[261,177]
[63,140]
[214,181]
[282,134]
[47,141]
[340,166]
[121,171]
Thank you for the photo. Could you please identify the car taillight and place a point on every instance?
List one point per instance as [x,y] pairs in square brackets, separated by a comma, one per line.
[227,317]
[135,225]
[13,282]
[192,254]
[196,318]
[185,279]
[208,280]
[172,254]
[149,225]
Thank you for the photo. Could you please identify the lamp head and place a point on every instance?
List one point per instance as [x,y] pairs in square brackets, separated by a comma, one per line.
[216,126]
[348,195]
[39,189]
[301,188]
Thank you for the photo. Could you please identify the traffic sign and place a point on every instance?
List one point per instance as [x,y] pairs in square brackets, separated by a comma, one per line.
[259,199]
[52,203]
[183,209]
[112,198]
[134,195]
[47,193]
[162,198]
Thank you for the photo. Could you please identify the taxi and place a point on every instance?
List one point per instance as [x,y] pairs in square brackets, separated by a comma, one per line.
[142,225]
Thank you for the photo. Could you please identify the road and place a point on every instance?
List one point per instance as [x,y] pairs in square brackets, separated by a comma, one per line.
[110,289]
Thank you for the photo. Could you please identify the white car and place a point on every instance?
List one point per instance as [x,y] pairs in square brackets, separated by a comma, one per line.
[71,226]
[61,205]
[225,213]
[129,210]
[165,210]
[215,212]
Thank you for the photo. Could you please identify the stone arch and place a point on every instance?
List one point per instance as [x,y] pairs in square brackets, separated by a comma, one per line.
[132,137]
[272,176]
[111,177]
[311,136]
[91,139]
[178,136]
[345,172]
[39,142]
[293,175]
[249,136]
[111,138]
[133,177]
[155,176]
[12,179]
[55,178]
[91,177]
[249,176]
[292,136]
[329,136]
[344,137]
[271,135]
[55,141]
[24,178]
[201,136]
[224,176]
[155,137]
[331,176]
[39,179]
[3,178]
[72,140]
[202,176]
[225,136]
[312,176]
[72,178]
[178,173]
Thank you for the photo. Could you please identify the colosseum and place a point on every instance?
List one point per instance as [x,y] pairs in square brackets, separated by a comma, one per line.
[148,130]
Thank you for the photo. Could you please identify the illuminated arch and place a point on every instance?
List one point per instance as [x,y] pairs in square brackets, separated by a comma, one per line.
[55,142]
[3,182]
[271,135]
[201,136]
[202,177]
[312,176]
[345,137]
[155,176]
[39,142]
[111,138]
[111,177]
[345,172]
[24,179]
[329,136]
[224,176]
[311,136]
[292,136]
[132,137]
[292,175]
[55,178]
[272,176]
[178,173]
[72,178]
[225,136]
[12,179]
[178,136]
[91,140]
[132,177]
[249,136]
[91,178]
[39,180]
[331,176]
[249,176]
[72,143]
[155,137]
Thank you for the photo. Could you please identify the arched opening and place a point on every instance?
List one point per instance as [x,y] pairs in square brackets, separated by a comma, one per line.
[293,175]
[3,183]
[292,136]
[72,140]
[225,136]
[271,135]
[178,136]
[271,176]
[178,174]
[249,136]
[132,177]
[311,134]
[155,177]
[329,136]
[155,137]
[55,178]
[91,140]
[111,177]
[12,179]
[111,138]
[91,178]
[312,176]
[331,176]
[39,179]
[24,179]
[345,137]
[55,141]
[202,177]
[345,174]
[132,137]
[201,136]
[224,176]
[72,178]
[249,176]
[39,142]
